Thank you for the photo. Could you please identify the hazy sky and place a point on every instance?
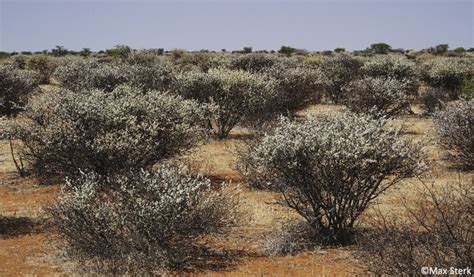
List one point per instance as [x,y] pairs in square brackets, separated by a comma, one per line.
[233,24]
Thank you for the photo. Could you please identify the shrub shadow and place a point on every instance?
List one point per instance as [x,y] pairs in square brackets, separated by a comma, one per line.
[17,226]
[207,259]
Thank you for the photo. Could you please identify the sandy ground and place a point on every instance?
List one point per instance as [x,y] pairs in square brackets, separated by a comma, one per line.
[27,247]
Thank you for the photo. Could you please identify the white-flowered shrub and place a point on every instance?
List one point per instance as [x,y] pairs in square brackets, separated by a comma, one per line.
[390,66]
[467,88]
[297,86]
[455,131]
[153,77]
[145,58]
[144,223]
[64,132]
[294,237]
[44,65]
[235,95]
[15,85]
[434,98]
[89,74]
[379,96]
[394,67]
[254,62]
[337,72]
[447,73]
[220,61]
[330,169]
[200,61]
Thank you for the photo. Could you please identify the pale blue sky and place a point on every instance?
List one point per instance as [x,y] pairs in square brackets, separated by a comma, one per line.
[232,24]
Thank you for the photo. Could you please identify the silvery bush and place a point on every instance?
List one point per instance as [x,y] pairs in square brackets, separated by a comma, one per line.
[144,223]
[455,131]
[89,74]
[64,131]
[144,57]
[19,61]
[394,67]
[15,85]
[337,72]
[297,86]
[235,96]
[294,237]
[389,66]
[330,169]
[379,96]
[254,62]
[447,73]
[194,61]
[467,88]
[44,66]
[153,77]
[434,98]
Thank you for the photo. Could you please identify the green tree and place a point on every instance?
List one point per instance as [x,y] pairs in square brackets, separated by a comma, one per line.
[460,50]
[287,50]
[340,50]
[160,51]
[247,49]
[59,51]
[119,51]
[441,48]
[380,48]
[4,55]
[85,52]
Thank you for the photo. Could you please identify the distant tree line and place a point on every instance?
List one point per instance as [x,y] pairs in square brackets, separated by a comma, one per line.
[122,51]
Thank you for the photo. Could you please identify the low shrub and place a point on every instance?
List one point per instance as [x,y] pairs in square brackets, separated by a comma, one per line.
[64,132]
[455,131]
[145,223]
[447,73]
[89,74]
[436,232]
[15,86]
[338,71]
[194,62]
[154,77]
[44,65]
[329,170]
[379,96]
[235,95]
[297,86]
[19,61]
[254,62]
[467,89]
[144,58]
[434,99]
[392,67]
[291,239]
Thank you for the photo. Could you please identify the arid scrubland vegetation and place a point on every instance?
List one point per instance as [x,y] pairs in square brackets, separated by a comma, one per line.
[249,163]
